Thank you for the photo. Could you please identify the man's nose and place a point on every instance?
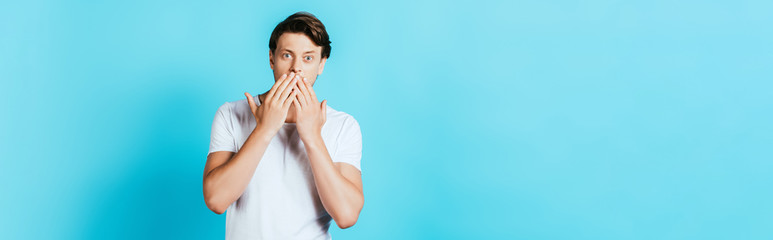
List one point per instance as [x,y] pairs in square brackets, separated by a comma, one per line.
[296,67]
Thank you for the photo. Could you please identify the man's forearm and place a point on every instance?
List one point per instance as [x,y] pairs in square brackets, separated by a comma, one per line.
[226,183]
[340,197]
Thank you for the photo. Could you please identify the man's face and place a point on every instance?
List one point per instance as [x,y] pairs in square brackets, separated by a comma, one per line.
[295,52]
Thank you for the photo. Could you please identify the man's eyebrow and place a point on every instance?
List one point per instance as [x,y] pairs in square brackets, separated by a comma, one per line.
[288,50]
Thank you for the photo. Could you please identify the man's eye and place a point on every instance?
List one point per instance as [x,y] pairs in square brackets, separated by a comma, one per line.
[286,55]
[308,58]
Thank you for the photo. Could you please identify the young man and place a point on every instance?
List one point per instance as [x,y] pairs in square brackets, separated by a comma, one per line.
[282,164]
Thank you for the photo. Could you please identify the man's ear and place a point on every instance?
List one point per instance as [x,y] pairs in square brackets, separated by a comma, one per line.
[271,59]
[321,66]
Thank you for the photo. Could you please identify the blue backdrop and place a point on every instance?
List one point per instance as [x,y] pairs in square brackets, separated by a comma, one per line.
[480,119]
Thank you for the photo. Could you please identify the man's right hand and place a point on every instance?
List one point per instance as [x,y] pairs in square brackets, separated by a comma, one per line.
[271,114]
[227,174]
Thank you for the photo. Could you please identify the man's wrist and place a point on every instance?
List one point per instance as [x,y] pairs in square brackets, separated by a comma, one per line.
[313,138]
[262,134]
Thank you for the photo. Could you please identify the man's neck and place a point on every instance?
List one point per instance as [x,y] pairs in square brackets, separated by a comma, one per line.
[290,112]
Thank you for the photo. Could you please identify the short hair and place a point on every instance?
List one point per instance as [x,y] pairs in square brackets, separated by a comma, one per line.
[306,23]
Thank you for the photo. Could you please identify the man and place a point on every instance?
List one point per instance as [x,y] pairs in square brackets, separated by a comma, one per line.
[282,164]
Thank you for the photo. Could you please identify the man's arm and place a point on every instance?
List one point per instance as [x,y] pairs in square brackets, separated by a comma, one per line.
[227,175]
[339,184]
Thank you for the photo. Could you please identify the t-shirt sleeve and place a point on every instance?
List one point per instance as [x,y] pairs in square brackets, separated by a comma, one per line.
[222,137]
[349,148]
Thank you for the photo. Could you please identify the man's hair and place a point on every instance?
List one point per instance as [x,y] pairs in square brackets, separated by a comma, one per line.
[306,23]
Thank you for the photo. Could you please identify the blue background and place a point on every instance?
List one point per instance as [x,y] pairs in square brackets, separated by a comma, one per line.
[480,119]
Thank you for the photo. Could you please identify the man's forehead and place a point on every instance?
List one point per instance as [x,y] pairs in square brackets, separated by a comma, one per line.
[296,42]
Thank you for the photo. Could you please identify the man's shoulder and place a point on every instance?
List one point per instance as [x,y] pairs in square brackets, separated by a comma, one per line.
[341,120]
[338,116]
[236,109]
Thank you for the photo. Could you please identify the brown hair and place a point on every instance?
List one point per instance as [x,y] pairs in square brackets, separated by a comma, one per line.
[306,23]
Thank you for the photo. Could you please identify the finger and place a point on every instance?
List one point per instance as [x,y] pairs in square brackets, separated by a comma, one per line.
[311,90]
[271,92]
[289,101]
[302,100]
[279,94]
[324,110]
[281,88]
[251,101]
[305,92]
[297,105]
[308,91]
[288,90]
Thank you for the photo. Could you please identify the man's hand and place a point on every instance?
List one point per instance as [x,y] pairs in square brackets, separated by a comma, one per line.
[339,185]
[227,174]
[309,112]
[270,115]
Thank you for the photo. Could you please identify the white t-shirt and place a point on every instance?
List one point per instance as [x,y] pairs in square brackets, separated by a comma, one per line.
[281,200]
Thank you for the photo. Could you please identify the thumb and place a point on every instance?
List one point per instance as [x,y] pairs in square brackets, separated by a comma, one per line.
[250,101]
[324,109]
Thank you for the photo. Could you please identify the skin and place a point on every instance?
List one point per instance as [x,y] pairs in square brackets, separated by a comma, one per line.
[296,63]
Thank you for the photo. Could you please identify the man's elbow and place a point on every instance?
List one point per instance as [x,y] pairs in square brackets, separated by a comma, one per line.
[215,205]
[217,210]
[347,219]
[347,222]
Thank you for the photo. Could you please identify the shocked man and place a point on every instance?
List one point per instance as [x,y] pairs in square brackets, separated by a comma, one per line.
[282,164]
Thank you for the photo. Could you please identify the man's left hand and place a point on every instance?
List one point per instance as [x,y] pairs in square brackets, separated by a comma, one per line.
[309,112]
